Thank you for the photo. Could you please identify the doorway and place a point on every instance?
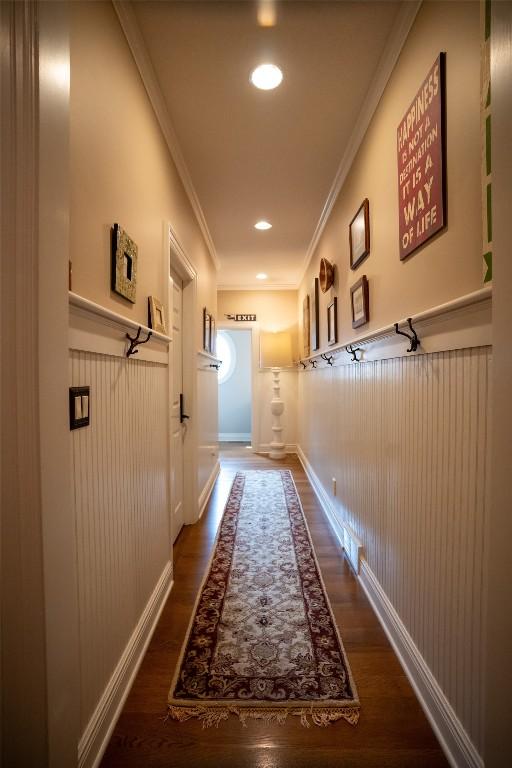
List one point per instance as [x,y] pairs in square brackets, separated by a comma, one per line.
[234,348]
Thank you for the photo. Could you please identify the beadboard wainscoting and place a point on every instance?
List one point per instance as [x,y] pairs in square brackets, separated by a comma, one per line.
[120,490]
[406,441]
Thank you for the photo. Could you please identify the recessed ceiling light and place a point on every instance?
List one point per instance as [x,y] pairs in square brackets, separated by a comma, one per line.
[263,225]
[261,276]
[266,77]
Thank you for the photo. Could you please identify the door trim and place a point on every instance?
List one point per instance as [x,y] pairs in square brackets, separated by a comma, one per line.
[188,273]
[254,328]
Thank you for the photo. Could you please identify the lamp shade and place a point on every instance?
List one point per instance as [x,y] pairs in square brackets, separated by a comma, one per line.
[276,350]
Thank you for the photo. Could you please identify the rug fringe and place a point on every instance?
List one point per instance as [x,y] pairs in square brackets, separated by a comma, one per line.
[212,716]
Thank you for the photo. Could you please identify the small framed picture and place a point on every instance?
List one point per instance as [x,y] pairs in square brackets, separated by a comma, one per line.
[305,327]
[360,301]
[332,322]
[359,235]
[156,319]
[124,264]
[207,319]
[213,336]
[314,319]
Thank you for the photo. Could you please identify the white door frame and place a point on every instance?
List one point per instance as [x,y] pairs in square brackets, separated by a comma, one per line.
[37,521]
[186,270]
[254,328]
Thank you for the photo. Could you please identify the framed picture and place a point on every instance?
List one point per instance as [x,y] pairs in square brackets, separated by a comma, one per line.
[124,264]
[305,327]
[315,325]
[332,322]
[213,336]
[359,235]
[207,320]
[360,301]
[422,188]
[156,319]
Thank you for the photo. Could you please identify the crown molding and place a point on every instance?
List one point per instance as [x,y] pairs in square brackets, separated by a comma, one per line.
[387,61]
[131,29]
[257,288]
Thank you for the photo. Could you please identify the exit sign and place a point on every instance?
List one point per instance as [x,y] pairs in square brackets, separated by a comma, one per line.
[242,318]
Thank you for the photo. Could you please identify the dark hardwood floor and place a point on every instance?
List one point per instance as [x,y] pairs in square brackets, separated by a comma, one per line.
[392,730]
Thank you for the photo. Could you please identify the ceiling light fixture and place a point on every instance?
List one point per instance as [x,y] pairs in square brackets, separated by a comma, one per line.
[263,225]
[266,77]
[261,276]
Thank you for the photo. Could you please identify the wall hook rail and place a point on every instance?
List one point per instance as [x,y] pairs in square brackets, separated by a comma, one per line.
[353,351]
[328,358]
[415,342]
[135,341]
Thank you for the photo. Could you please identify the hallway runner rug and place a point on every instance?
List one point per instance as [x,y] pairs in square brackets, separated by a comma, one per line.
[263,642]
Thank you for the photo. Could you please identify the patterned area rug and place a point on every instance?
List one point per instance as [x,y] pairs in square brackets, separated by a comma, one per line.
[262,642]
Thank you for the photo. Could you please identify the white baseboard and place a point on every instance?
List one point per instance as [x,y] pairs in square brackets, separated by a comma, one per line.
[265,448]
[207,490]
[456,744]
[234,437]
[96,736]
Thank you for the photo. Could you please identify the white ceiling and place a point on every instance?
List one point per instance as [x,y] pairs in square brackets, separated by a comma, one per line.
[264,154]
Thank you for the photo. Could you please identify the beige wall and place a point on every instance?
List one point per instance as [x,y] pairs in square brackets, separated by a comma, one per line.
[121,170]
[450,264]
[275,310]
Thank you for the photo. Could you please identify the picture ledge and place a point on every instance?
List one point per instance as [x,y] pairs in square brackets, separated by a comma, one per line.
[425,318]
[79,302]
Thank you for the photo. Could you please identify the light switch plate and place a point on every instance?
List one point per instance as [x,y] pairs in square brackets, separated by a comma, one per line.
[79,407]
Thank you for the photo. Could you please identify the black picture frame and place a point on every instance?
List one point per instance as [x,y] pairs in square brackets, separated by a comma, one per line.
[314,318]
[360,302]
[332,322]
[359,235]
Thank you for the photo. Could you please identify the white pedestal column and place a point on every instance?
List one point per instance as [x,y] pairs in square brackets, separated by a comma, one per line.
[277,407]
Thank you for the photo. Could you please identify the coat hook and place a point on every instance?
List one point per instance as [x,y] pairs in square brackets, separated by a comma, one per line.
[313,363]
[415,342]
[353,351]
[134,342]
[304,365]
[216,365]
[328,358]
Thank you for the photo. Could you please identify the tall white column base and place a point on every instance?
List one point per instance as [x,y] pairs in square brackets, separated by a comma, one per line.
[277,450]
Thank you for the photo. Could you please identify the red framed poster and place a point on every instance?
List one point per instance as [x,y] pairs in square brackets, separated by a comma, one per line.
[422,163]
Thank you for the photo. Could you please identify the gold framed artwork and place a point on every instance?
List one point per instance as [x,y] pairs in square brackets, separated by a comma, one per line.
[305,327]
[124,264]
[360,302]
[156,318]
[359,235]
[213,336]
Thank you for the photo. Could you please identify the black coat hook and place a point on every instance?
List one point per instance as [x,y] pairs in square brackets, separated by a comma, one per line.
[134,342]
[304,365]
[328,358]
[313,363]
[353,351]
[415,342]
[216,365]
